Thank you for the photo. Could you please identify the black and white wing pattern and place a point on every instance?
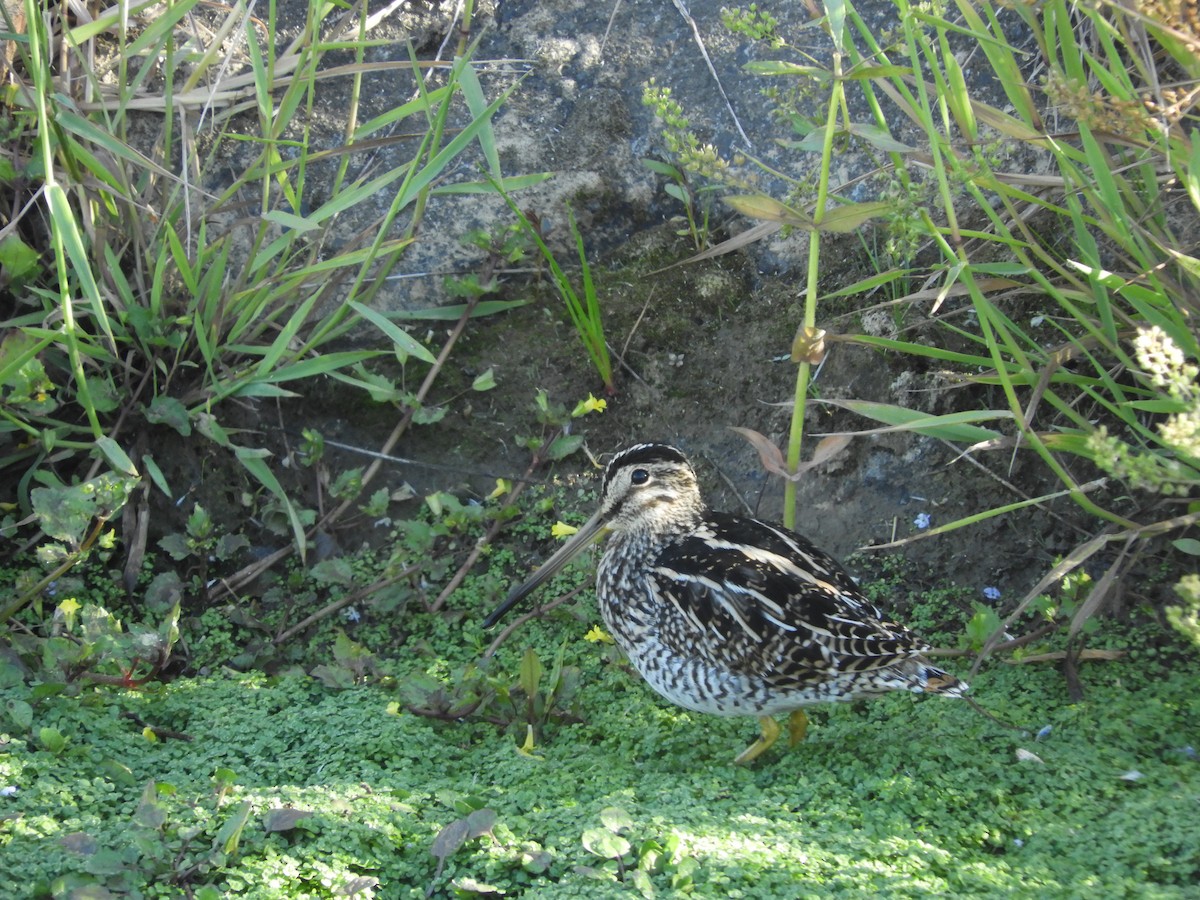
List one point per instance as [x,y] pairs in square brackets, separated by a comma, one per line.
[764,600]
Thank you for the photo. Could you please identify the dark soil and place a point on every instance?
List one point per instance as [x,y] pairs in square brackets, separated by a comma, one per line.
[702,347]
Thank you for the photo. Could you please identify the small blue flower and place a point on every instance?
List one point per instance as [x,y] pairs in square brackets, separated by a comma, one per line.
[991,593]
[922,521]
[1044,732]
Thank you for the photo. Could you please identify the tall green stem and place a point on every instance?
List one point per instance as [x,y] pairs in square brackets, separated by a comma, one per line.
[808,328]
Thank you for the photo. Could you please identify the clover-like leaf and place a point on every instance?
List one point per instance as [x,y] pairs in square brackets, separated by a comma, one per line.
[615,819]
[603,843]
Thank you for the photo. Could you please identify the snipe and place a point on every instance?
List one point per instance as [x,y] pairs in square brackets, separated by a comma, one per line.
[730,615]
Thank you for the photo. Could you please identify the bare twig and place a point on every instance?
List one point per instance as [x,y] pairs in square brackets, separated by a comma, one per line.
[343,602]
[517,623]
[1011,644]
[683,11]
[484,541]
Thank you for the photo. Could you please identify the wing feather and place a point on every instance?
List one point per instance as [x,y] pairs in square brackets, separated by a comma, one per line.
[765,600]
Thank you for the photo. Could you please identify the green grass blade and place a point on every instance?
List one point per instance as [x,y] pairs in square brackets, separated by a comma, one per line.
[958,427]
[253,460]
[472,91]
[405,342]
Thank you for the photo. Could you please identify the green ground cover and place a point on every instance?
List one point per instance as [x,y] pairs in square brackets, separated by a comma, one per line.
[286,787]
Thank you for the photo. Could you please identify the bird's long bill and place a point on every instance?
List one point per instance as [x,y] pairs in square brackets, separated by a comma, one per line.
[568,551]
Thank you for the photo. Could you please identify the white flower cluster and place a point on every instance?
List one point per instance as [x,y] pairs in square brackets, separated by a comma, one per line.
[1167,368]
[1186,616]
[1171,469]
[1164,363]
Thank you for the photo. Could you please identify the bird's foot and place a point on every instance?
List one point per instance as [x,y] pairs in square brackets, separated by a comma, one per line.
[797,727]
[770,733]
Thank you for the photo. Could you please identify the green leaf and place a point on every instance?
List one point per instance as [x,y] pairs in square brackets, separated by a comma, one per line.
[484,381]
[52,739]
[176,545]
[1190,546]
[472,92]
[63,220]
[511,183]
[118,772]
[480,122]
[47,689]
[563,446]
[65,512]
[760,206]
[156,474]
[615,819]
[951,427]
[324,364]
[868,70]
[262,389]
[603,843]
[252,461]
[103,394]
[116,456]
[230,833]
[958,98]
[835,22]
[677,192]
[168,631]
[531,672]
[105,861]
[662,168]
[782,67]
[91,133]
[164,592]
[290,221]
[404,342]
[333,571]
[150,813]
[21,714]
[380,388]
[981,626]
[880,139]
[454,312]
[429,415]
[852,216]
[17,259]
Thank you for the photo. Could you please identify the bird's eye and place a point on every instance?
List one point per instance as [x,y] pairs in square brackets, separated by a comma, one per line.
[639,476]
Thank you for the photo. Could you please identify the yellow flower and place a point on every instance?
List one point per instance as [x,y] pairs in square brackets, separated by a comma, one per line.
[503,486]
[562,529]
[68,608]
[598,636]
[591,404]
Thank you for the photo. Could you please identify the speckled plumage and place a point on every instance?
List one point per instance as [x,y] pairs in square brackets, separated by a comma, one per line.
[730,615]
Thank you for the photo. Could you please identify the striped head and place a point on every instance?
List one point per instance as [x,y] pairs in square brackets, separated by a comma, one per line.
[649,492]
[650,488]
